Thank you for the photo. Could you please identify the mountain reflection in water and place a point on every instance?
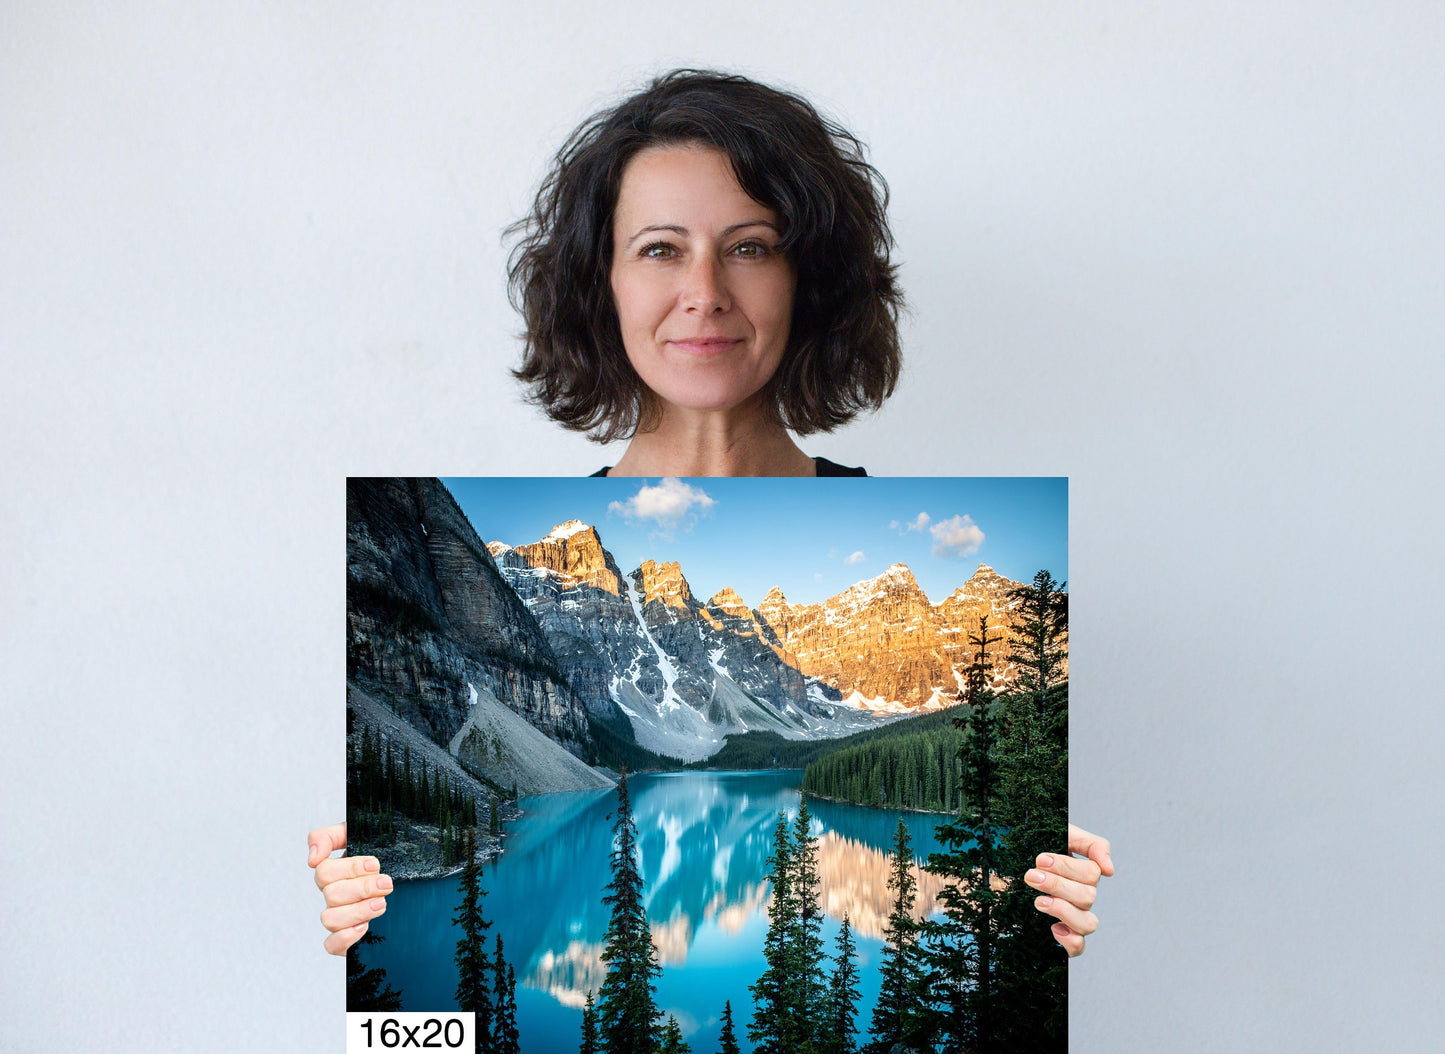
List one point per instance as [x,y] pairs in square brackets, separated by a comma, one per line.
[704,839]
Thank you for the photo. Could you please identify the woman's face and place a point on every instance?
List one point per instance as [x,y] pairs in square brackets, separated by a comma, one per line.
[703,296]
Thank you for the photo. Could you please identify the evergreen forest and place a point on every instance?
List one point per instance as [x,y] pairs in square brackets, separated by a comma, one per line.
[917,770]
[387,791]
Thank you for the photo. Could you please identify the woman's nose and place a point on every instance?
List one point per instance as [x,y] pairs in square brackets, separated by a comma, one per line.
[705,285]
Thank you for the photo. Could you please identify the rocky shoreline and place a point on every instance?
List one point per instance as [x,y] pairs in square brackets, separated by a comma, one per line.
[416,854]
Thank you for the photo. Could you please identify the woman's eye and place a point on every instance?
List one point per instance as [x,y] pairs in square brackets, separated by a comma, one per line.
[658,250]
[751,249]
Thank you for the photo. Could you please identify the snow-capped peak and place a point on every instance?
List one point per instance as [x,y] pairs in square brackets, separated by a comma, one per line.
[568,529]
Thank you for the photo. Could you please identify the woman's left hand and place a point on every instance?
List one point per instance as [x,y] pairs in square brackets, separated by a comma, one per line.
[1069,886]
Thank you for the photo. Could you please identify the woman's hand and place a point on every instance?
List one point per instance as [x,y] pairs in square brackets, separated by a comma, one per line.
[1070,886]
[352,885]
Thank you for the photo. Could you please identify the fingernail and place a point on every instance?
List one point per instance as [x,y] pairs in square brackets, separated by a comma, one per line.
[361,928]
[1109,861]
[1044,902]
[384,883]
[1046,860]
[371,864]
[379,904]
[1034,877]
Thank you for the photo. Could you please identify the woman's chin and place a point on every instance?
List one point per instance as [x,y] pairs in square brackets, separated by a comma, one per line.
[702,403]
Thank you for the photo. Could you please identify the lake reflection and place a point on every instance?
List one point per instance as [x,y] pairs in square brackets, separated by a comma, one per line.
[704,839]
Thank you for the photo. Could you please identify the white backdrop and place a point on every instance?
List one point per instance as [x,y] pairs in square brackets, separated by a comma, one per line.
[1190,258]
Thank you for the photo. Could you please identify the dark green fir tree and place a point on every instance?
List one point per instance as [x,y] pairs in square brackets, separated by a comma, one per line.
[838,1032]
[672,1041]
[473,987]
[961,948]
[589,1027]
[1032,989]
[505,1039]
[366,987]
[727,1038]
[627,1015]
[769,1028]
[896,1014]
[807,1007]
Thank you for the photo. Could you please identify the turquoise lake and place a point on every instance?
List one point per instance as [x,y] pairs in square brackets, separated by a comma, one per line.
[705,839]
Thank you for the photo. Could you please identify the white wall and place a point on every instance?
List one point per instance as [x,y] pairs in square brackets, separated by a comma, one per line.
[1189,257]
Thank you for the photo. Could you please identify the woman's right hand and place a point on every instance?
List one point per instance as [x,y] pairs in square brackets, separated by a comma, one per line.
[353,886]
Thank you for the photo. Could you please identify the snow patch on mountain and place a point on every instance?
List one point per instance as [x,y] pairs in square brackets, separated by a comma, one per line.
[878,705]
[670,698]
[568,529]
[676,731]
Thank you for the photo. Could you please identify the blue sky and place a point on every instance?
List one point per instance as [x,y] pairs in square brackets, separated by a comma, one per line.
[812,537]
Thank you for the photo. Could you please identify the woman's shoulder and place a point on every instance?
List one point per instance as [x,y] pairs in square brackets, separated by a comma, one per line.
[823,465]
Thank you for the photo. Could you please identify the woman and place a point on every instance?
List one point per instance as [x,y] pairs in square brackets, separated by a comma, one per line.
[706,270]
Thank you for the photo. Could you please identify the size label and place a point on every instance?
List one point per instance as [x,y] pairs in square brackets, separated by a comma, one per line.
[409,1032]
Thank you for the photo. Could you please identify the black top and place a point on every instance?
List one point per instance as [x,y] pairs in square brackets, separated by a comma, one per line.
[823,465]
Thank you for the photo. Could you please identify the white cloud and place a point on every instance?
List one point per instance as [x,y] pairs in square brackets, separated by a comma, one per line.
[956,537]
[854,558]
[918,523]
[670,504]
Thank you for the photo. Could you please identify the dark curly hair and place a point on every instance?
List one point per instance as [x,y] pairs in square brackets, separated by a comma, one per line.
[842,355]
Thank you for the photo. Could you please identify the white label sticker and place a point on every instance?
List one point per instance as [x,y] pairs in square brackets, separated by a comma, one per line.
[399,1031]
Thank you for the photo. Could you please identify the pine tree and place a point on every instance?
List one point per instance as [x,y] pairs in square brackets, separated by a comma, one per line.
[808,993]
[672,1041]
[895,1015]
[842,1004]
[505,999]
[627,1012]
[366,987]
[727,1039]
[506,1039]
[1032,994]
[768,1028]
[960,949]
[471,955]
[589,1027]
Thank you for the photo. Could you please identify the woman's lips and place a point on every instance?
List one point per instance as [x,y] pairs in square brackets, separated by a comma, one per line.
[705,345]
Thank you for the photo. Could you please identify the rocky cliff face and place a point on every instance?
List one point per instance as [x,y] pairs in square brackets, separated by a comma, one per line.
[430,618]
[884,646]
[572,587]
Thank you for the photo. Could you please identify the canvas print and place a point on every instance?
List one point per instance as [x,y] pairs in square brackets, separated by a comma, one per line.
[711,764]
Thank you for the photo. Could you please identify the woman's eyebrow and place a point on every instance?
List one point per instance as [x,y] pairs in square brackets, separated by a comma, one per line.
[682,231]
[658,227]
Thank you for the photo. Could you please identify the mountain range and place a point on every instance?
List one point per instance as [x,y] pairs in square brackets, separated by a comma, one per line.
[439,624]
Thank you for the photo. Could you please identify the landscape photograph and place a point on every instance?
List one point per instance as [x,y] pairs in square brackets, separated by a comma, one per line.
[722,764]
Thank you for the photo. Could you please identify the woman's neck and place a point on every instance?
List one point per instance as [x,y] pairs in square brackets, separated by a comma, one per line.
[686,444]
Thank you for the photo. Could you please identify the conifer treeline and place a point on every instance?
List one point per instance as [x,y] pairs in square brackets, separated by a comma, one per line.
[385,789]
[916,771]
[767,750]
[486,985]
